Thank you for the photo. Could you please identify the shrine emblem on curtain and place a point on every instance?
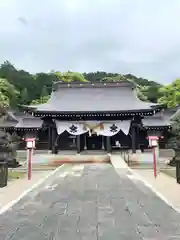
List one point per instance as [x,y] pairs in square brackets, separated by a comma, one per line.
[76,129]
[71,128]
[100,128]
[112,128]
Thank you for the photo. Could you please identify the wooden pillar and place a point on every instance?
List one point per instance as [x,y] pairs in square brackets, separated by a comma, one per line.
[133,139]
[102,147]
[108,144]
[78,143]
[137,138]
[85,141]
[49,138]
[53,139]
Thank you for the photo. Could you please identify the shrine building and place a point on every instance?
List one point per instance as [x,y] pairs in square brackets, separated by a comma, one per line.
[89,116]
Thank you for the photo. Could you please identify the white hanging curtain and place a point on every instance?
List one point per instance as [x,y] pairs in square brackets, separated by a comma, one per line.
[124,126]
[112,128]
[104,129]
[61,126]
[77,128]
[108,129]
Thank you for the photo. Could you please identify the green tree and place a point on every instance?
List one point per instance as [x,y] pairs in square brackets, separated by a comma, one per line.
[44,92]
[98,76]
[140,94]
[116,78]
[70,77]
[20,79]
[152,93]
[141,81]
[24,96]
[174,140]
[44,80]
[8,94]
[39,86]
[41,100]
[7,70]
[171,94]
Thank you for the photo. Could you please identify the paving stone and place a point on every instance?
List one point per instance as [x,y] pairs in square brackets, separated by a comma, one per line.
[99,204]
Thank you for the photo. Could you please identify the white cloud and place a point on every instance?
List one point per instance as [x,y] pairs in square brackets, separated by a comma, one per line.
[141,37]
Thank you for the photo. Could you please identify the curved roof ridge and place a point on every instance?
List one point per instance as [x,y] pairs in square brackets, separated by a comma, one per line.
[148,104]
[93,84]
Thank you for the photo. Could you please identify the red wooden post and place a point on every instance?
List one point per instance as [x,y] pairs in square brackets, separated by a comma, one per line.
[154,161]
[30,147]
[29,163]
[153,143]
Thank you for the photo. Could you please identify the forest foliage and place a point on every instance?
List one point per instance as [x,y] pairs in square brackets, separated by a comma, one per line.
[19,87]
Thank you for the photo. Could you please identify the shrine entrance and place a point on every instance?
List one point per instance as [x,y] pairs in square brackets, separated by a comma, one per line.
[66,141]
[94,142]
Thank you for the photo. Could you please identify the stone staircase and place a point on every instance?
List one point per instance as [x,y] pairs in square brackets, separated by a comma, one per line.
[42,160]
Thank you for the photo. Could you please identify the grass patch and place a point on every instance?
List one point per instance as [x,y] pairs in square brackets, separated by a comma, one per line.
[170,172]
[12,175]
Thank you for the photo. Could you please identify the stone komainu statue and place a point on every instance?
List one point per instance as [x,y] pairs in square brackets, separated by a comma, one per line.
[8,144]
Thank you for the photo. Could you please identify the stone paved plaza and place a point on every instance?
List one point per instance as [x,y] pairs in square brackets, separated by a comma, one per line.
[93,203]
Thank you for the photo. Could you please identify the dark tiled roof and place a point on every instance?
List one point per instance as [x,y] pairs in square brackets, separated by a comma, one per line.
[21,120]
[29,123]
[160,119]
[8,124]
[89,97]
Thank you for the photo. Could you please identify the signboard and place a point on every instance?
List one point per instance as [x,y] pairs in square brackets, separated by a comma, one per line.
[29,139]
[30,142]
[153,137]
[153,142]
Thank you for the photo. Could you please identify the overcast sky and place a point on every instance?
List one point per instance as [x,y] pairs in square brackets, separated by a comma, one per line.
[141,37]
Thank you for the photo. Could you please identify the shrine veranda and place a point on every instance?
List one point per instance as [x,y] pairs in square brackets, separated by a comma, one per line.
[92,116]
